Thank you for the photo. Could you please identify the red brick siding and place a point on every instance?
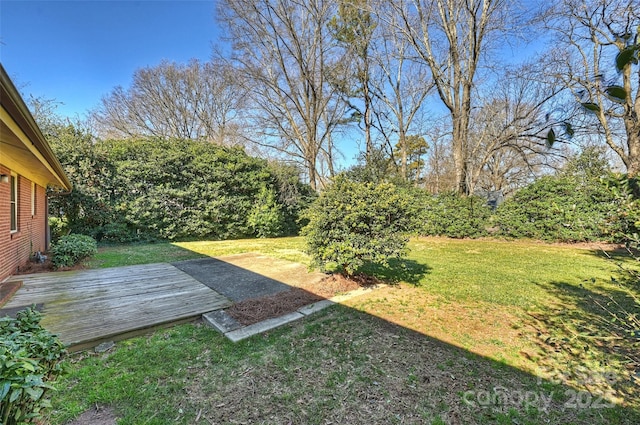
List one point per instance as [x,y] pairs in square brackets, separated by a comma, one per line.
[15,248]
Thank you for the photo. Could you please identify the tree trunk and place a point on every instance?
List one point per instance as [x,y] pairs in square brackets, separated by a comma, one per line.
[311,168]
[632,120]
[403,153]
[633,166]
[459,146]
[367,117]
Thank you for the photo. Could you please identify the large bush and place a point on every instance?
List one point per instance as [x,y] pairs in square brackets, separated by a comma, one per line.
[623,220]
[558,208]
[58,227]
[582,202]
[453,215]
[266,218]
[352,223]
[29,366]
[71,249]
[87,164]
[128,190]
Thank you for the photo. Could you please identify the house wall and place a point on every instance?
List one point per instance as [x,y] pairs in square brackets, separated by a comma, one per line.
[15,248]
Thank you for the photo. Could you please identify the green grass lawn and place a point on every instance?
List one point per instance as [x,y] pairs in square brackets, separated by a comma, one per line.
[125,255]
[476,332]
[502,272]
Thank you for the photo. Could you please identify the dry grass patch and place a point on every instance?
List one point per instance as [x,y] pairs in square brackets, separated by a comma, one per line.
[484,329]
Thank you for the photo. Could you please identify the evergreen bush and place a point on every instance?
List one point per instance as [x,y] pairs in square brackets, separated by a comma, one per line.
[30,362]
[352,223]
[266,218]
[453,215]
[557,208]
[71,249]
[146,189]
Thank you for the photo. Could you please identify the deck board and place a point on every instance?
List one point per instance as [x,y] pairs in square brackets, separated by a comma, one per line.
[94,305]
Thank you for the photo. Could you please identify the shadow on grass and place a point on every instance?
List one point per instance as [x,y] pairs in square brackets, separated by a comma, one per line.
[341,366]
[337,366]
[398,270]
[588,333]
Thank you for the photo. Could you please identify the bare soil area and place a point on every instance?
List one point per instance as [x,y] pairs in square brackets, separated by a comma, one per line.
[35,267]
[97,415]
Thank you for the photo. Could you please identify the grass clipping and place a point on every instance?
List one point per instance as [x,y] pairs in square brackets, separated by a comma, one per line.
[255,310]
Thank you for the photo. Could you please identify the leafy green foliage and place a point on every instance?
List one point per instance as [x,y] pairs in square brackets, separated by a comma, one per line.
[551,138]
[593,107]
[58,227]
[352,223]
[182,189]
[627,56]
[30,359]
[292,196]
[137,190]
[616,93]
[574,206]
[87,208]
[452,214]
[416,150]
[375,167]
[624,217]
[266,218]
[72,249]
[556,209]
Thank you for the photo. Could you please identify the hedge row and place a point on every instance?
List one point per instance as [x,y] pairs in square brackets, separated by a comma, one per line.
[553,208]
[144,189]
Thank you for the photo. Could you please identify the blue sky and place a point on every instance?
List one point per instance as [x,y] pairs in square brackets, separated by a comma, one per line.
[77,51]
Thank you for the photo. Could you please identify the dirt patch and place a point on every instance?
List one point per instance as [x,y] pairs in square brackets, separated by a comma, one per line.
[256,310]
[35,267]
[7,290]
[97,415]
[45,267]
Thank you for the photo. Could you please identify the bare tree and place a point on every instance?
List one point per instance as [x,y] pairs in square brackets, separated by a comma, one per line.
[353,27]
[593,38]
[400,86]
[285,49]
[440,175]
[192,101]
[451,37]
[509,130]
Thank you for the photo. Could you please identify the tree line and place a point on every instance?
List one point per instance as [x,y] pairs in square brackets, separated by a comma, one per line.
[426,88]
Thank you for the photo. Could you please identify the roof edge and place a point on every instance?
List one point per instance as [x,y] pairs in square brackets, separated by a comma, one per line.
[23,118]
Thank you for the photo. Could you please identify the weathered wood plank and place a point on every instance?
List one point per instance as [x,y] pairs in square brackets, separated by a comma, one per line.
[91,305]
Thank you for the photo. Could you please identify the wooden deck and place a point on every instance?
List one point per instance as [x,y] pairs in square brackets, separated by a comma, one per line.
[89,306]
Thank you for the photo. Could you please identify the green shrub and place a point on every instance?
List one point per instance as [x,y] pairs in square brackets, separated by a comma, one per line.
[557,208]
[623,220]
[117,232]
[71,249]
[353,223]
[58,228]
[29,366]
[293,197]
[141,189]
[454,215]
[266,218]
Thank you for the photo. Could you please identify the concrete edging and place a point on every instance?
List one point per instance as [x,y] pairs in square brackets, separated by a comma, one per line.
[225,324]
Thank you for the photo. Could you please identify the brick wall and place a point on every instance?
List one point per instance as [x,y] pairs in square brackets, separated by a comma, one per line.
[15,248]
